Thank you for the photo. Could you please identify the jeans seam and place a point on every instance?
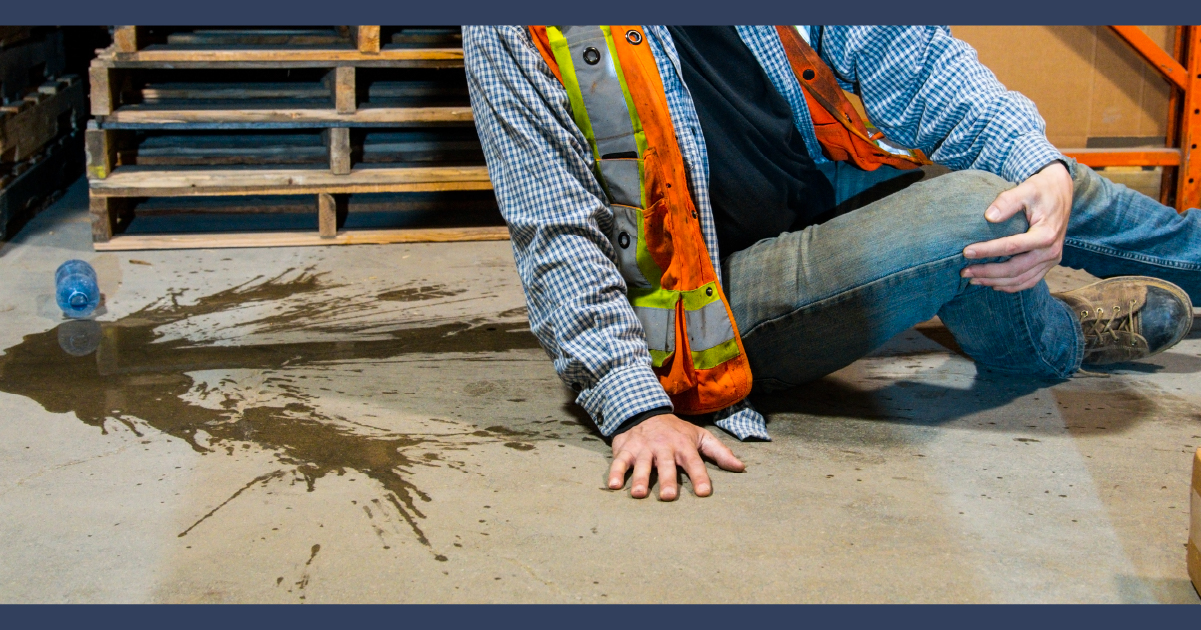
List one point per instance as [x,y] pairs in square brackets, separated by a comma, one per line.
[836,295]
[1117,253]
[1037,349]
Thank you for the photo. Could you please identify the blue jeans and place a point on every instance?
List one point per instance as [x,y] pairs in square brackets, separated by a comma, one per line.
[810,302]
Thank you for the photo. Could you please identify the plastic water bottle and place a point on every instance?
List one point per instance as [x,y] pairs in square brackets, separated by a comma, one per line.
[76,290]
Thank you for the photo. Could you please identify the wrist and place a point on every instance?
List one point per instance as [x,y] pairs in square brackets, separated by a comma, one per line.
[639,418]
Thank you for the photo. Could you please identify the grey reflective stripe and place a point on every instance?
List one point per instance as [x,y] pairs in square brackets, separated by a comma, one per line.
[626,220]
[621,176]
[601,90]
[708,326]
[660,327]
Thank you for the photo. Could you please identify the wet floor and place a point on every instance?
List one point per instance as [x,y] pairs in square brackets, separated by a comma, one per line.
[379,424]
[127,372]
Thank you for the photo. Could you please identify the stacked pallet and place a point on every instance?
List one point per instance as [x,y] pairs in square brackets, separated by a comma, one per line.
[352,134]
[42,113]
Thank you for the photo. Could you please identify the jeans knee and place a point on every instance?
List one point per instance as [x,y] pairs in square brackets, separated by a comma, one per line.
[966,195]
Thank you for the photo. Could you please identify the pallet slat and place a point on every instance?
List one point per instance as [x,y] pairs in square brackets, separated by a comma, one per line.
[40,182]
[361,116]
[302,239]
[25,130]
[282,57]
[156,183]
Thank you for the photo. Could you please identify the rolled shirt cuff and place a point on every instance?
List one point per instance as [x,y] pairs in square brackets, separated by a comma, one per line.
[622,394]
[743,422]
[1031,153]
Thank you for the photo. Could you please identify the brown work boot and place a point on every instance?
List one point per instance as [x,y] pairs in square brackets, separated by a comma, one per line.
[1129,317]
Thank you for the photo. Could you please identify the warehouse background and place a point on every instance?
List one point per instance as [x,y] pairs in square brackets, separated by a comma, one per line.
[284,136]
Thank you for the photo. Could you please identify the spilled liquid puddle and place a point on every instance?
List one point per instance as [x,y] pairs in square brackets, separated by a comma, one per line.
[131,371]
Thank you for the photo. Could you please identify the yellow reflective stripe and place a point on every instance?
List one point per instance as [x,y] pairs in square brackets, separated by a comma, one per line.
[658,357]
[653,298]
[697,298]
[715,356]
[558,47]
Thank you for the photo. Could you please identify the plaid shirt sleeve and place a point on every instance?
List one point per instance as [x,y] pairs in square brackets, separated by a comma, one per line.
[558,215]
[925,89]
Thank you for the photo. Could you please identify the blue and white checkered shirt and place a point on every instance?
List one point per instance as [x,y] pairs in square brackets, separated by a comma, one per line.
[920,86]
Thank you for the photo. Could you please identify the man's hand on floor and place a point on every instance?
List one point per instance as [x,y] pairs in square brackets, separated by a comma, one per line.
[665,442]
[1046,197]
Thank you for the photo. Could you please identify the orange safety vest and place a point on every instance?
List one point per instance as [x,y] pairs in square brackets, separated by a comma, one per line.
[618,101]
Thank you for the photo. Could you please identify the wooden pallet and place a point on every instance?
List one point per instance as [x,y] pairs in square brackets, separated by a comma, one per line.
[57,107]
[29,186]
[28,63]
[308,120]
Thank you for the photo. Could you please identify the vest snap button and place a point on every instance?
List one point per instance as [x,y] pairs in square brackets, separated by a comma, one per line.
[591,56]
[808,74]
[623,240]
[634,37]
[709,291]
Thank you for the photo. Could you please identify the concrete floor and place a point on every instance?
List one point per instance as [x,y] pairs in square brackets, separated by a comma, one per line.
[376,424]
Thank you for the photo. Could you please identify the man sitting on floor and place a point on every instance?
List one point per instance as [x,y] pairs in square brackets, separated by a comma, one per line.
[691,206]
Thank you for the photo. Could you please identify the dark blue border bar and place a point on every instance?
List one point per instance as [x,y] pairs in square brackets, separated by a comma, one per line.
[299,12]
[604,617]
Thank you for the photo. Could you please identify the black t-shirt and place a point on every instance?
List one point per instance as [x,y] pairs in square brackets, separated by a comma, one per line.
[762,181]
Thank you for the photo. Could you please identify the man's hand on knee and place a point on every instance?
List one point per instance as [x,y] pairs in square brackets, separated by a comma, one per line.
[664,443]
[1046,197]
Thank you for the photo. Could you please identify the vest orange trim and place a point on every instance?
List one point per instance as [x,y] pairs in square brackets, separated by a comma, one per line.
[839,129]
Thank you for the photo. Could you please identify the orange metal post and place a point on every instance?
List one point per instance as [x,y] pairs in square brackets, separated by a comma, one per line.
[1184,117]
[1167,183]
[1171,69]
[1188,192]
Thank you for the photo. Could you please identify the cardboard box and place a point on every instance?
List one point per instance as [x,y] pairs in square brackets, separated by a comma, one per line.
[1090,86]
[1194,531]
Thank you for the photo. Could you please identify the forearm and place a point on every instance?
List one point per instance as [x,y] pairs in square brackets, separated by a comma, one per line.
[925,89]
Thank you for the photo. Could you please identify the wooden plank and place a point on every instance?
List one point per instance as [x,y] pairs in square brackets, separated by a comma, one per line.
[368,39]
[252,181]
[29,63]
[361,116]
[338,141]
[258,37]
[345,96]
[327,216]
[101,149]
[104,217]
[125,38]
[1097,158]
[104,97]
[1171,69]
[231,149]
[10,35]
[427,37]
[232,91]
[24,133]
[302,239]
[40,182]
[276,56]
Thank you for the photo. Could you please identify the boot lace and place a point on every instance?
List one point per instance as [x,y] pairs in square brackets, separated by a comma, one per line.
[1109,324]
